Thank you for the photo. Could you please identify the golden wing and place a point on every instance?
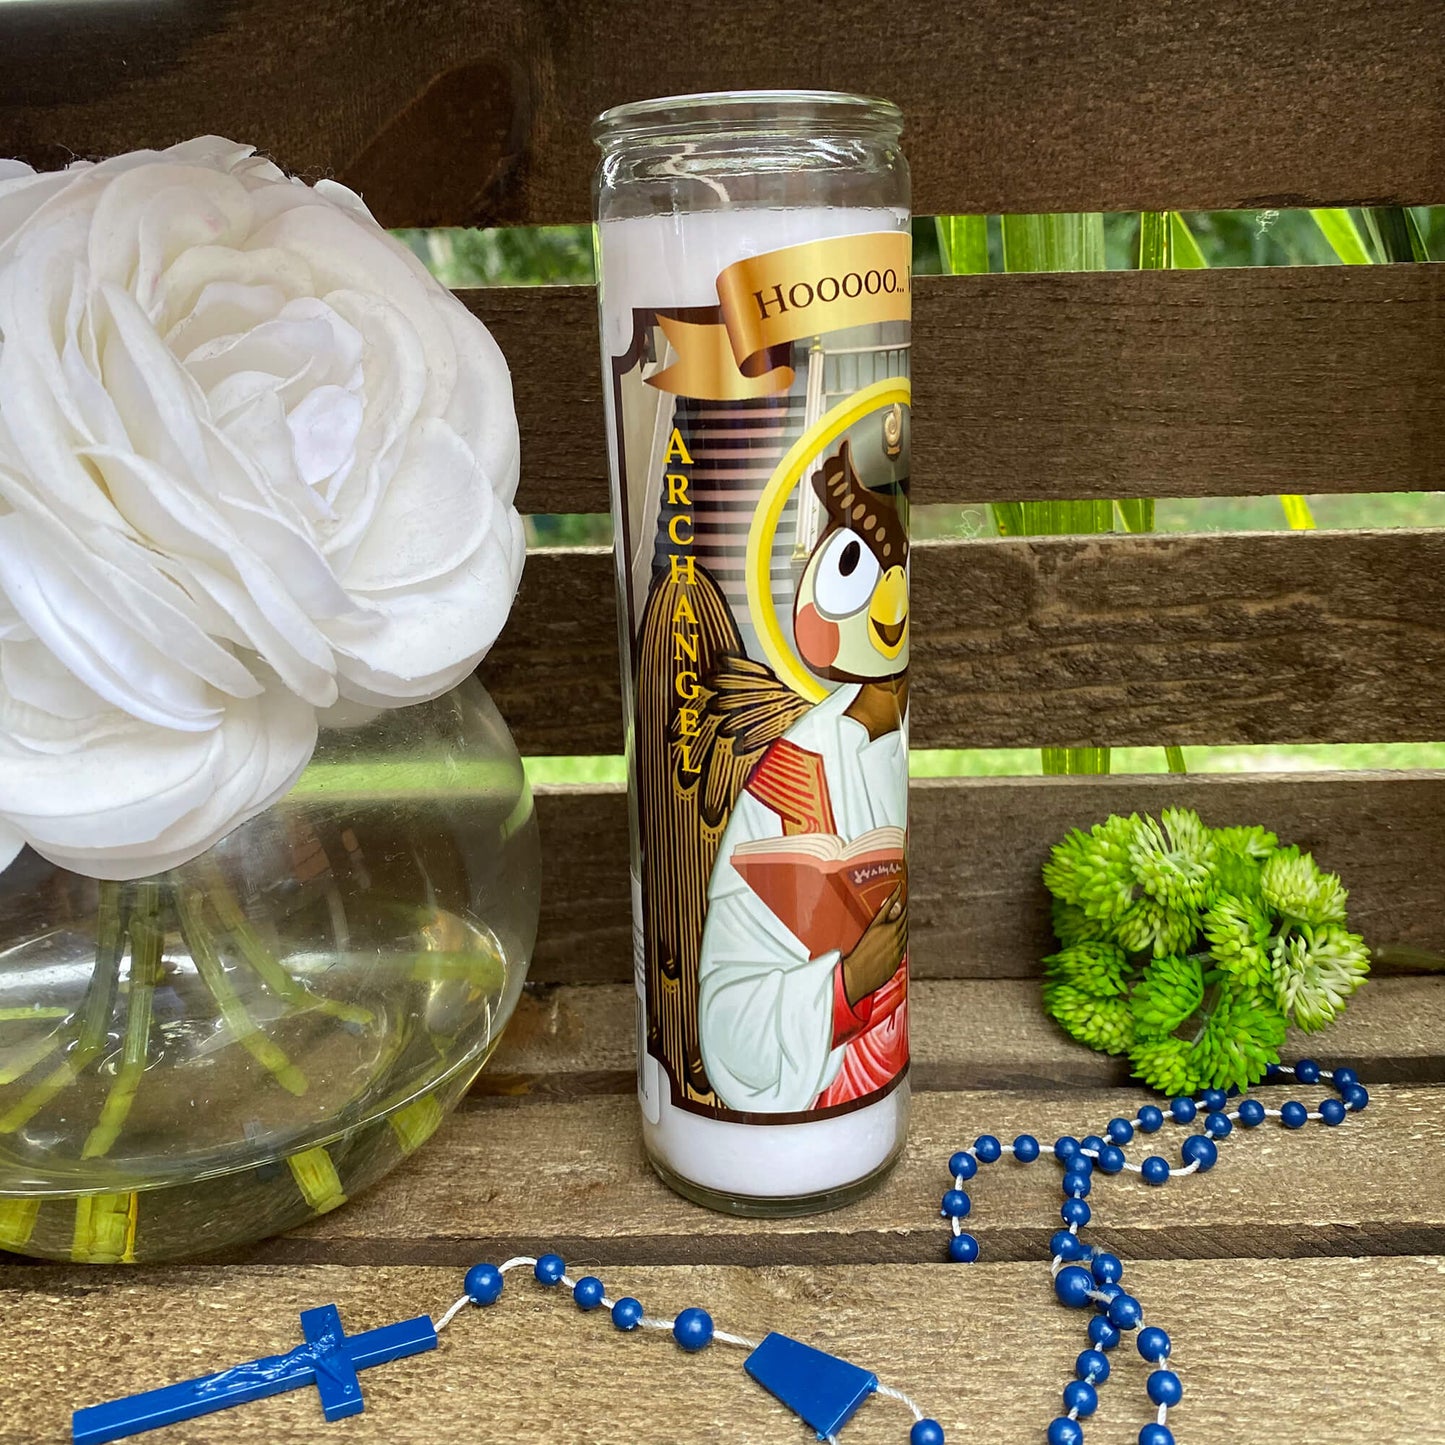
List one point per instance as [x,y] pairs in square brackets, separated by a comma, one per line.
[692,758]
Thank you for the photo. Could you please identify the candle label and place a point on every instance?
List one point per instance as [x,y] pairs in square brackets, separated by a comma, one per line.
[762,461]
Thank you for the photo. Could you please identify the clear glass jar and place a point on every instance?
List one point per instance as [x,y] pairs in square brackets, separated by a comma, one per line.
[211,1055]
[754,292]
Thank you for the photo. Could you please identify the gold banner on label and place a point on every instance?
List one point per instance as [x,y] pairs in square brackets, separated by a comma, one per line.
[768,301]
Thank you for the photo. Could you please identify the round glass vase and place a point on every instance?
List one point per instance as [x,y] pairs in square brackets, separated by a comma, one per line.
[202,1058]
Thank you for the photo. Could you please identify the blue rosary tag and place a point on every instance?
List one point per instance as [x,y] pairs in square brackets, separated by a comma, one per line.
[821,1389]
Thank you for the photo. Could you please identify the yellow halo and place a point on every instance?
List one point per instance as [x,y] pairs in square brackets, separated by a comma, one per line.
[828,428]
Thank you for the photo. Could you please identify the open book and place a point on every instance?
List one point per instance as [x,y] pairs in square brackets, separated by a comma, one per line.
[823,890]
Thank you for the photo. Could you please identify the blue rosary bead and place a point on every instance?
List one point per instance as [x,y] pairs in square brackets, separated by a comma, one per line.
[1156,1434]
[1064,1431]
[1066,1147]
[550,1269]
[1111,1159]
[1081,1396]
[1074,1284]
[1091,1141]
[1026,1148]
[963,1248]
[588,1292]
[1183,1110]
[963,1165]
[1092,1364]
[1332,1112]
[1214,1100]
[1155,1169]
[1076,1183]
[926,1432]
[1164,1387]
[483,1284]
[1107,1268]
[1251,1113]
[1344,1078]
[1120,1131]
[955,1205]
[1154,1344]
[692,1329]
[1125,1312]
[1293,1115]
[1102,1333]
[987,1148]
[1075,1211]
[1356,1097]
[1307,1071]
[1200,1149]
[627,1313]
[1151,1119]
[1066,1246]
[1079,1164]
[1219,1125]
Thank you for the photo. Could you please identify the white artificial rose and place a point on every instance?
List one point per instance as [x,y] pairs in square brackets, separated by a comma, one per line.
[254,462]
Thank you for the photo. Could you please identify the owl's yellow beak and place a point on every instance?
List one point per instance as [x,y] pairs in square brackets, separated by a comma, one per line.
[888,612]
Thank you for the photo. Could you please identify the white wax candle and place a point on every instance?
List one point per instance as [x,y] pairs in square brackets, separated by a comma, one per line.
[670,261]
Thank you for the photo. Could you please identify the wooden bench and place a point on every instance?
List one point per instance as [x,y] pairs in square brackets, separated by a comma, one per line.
[1297,1280]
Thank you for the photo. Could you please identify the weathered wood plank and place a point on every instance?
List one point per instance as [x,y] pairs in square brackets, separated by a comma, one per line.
[979,908]
[1115,384]
[473,111]
[1268,637]
[536,1372]
[523,1177]
[965,1034]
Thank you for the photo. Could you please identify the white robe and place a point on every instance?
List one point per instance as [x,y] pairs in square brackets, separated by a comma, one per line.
[765,1007]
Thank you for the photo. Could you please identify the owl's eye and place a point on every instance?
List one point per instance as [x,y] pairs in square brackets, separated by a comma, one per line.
[846,575]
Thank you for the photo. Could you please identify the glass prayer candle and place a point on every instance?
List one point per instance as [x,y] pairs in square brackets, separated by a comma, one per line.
[754,287]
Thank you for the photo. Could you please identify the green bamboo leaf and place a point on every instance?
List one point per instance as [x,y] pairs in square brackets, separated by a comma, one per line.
[1297,513]
[1155,241]
[1136,514]
[963,243]
[1184,251]
[1396,234]
[1054,242]
[1339,229]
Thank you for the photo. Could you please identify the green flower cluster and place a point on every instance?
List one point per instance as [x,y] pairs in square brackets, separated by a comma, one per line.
[1190,949]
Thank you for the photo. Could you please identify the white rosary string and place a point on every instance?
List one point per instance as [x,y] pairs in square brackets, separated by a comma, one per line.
[650,1322]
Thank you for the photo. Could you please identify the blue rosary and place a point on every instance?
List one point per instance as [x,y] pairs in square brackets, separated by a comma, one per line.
[823,1390]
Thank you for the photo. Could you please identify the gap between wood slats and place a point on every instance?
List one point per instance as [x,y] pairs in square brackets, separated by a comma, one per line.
[575,1171]
[985,1353]
[1252,638]
[1116,384]
[979,908]
[568,1042]
[475,111]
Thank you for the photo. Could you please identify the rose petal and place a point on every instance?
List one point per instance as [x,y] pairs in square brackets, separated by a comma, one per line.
[438,481]
[418,643]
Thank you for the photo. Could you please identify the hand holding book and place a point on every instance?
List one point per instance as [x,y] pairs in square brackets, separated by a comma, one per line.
[880,952]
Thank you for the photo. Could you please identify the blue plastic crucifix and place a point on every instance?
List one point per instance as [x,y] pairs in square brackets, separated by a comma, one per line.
[329,1359]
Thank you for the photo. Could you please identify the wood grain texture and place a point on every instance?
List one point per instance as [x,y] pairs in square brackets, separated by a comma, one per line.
[1260,638]
[571,1174]
[986,1352]
[1116,384]
[1037,106]
[964,1033]
[979,908]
